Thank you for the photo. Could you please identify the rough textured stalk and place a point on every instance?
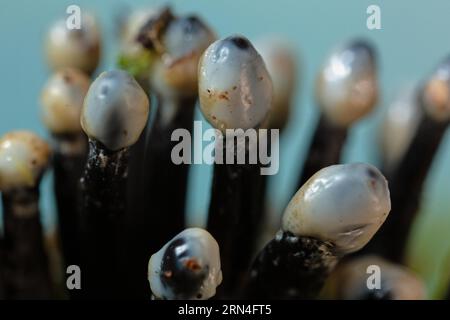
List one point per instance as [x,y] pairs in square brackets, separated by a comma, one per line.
[290,267]
[406,185]
[325,149]
[25,261]
[103,186]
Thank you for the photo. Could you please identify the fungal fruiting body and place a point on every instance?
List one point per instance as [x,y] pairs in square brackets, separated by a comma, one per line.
[235,88]
[281,64]
[235,92]
[346,91]
[408,178]
[115,110]
[174,45]
[133,57]
[336,212]
[23,160]
[77,48]
[390,281]
[62,99]
[114,113]
[399,126]
[187,267]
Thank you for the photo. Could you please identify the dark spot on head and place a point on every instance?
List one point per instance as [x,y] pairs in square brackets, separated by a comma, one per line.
[33,162]
[223,96]
[209,91]
[104,90]
[199,296]
[235,87]
[240,42]
[191,24]
[125,132]
[360,45]
[186,275]
[67,78]
[372,173]
[261,78]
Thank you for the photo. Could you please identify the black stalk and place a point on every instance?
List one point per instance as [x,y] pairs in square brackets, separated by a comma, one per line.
[26,271]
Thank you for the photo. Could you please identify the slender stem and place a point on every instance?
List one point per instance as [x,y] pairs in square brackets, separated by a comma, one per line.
[2,264]
[103,201]
[406,185]
[225,215]
[26,266]
[68,166]
[161,199]
[235,212]
[290,267]
[325,149]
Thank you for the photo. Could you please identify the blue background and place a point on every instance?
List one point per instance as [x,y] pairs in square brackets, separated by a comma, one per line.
[413,38]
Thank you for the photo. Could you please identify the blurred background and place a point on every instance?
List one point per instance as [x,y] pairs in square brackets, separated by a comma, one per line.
[411,42]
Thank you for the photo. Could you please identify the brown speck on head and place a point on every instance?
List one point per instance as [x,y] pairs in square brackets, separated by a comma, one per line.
[223,96]
[167,274]
[261,78]
[67,78]
[192,265]
[235,87]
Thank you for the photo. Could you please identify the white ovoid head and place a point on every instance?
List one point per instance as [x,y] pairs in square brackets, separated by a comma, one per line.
[74,48]
[396,282]
[436,93]
[399,125]
[346,87]
[187,267]
[235,88]
[341,204]
[115,110]
[281,63]
[23,159]
[180,46]
[62,99]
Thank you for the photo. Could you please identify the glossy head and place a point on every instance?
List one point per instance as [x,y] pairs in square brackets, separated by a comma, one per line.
[187,267]
[235,88]
[399,126]
[346,87]
[436,93]
[74,48]
[23,159]
[341,204]
[115,110]
[280,60]
[177,44]
[62,100]
[396,282]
